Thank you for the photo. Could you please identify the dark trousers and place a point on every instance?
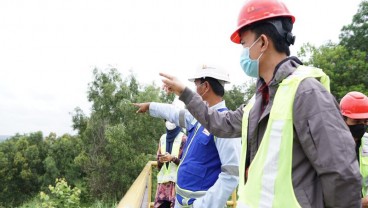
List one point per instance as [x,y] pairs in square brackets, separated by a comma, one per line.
[166,204]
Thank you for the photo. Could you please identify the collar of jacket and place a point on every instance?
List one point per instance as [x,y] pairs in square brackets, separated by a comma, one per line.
[282,70]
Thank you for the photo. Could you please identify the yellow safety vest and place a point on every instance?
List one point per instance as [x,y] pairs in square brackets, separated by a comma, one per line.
[363,163]
[167,174]
[269,182]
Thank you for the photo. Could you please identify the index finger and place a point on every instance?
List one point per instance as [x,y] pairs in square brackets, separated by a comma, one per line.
[168,76]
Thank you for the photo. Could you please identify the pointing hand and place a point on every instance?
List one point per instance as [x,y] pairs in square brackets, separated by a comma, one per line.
[142,107]
[172,84]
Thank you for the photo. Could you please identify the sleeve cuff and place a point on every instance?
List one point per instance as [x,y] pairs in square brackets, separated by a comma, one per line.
[186,96]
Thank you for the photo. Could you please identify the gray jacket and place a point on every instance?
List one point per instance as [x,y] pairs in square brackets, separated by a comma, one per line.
[325,171]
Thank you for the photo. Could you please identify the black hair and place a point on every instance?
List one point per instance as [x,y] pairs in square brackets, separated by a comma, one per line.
[345,118]
[281,37]
[217,88]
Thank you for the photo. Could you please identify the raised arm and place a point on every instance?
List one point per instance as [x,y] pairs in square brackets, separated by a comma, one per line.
[225,124]
[180,117]
[221,124]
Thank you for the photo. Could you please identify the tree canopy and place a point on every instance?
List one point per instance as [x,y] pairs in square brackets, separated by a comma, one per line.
[354,35]
[346,62]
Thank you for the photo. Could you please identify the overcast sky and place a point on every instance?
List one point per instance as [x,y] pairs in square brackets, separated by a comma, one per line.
[48,48]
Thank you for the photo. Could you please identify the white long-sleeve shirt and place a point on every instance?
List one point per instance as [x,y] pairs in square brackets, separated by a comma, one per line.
[228,150]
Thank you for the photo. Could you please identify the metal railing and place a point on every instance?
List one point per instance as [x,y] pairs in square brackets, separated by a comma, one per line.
[139,194]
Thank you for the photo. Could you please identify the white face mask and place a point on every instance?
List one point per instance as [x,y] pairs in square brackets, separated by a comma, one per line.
[169,125]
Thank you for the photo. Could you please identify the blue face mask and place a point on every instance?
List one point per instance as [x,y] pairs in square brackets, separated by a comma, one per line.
[250,66]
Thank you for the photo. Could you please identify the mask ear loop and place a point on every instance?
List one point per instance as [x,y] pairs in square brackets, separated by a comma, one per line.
[204,92]
[253,45]
[254,42]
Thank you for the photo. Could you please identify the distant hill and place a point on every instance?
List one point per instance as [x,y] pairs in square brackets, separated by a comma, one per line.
[4,137]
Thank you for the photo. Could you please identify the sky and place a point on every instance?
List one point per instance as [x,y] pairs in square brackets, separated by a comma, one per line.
[49,48]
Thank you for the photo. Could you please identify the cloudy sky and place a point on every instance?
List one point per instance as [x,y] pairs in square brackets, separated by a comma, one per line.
[48,48]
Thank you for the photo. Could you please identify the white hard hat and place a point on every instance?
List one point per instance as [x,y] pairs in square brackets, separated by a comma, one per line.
[211,71]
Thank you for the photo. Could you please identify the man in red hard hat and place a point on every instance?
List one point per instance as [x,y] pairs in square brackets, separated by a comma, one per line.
[354,108]
[296,148]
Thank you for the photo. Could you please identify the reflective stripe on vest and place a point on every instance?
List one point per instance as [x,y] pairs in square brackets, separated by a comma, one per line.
[189,194]
[167,174]
[269,182]
[363,163]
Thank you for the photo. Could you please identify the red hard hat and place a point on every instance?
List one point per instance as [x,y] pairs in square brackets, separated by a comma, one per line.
[354,105]
[257,10]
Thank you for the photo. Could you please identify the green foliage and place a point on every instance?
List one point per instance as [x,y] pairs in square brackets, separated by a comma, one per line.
[167,98]
[28,163]
[61,196]
[345,63]
[32,203]
[20,168]
[80,120]
[348,71]
[355,35]
[110,95]
[59,162]
[117,142]
[239,95]
[37,202]
[112,146]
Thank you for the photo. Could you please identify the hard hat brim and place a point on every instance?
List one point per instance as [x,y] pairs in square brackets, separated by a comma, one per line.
[356,115]
[235,36]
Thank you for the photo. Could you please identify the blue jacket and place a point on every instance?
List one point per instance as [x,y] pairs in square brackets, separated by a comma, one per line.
[200,164]
[209,165]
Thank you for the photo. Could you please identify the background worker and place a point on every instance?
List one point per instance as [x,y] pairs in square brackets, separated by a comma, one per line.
[354,108]
[294,140]
[169,151]
[208,171]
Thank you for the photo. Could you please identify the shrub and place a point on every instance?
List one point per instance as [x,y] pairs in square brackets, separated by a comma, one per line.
[61,196]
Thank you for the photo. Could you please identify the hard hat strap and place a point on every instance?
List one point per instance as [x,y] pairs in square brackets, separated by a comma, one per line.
[289,37]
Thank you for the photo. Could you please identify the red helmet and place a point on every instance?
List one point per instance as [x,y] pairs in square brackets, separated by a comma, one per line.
[354,105]
[257,10]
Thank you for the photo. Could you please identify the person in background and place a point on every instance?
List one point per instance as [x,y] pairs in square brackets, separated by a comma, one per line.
[208,171]
[354,108]
[169,151]
[296,148]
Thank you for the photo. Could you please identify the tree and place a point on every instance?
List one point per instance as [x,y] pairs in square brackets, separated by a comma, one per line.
[79,120]
[29,163]
[61,196]
[355,35]
[20,168]
[117,142]
[105,94]
[59,162]
[346,62]
[239,95]
[348,70]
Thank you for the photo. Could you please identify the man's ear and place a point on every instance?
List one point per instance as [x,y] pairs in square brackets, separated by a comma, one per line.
[265,42]
[206,84]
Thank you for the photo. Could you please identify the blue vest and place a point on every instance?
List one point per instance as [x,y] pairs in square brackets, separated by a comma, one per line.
[200,164]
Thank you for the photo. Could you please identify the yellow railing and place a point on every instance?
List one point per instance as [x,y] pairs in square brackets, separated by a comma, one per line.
[139,194]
